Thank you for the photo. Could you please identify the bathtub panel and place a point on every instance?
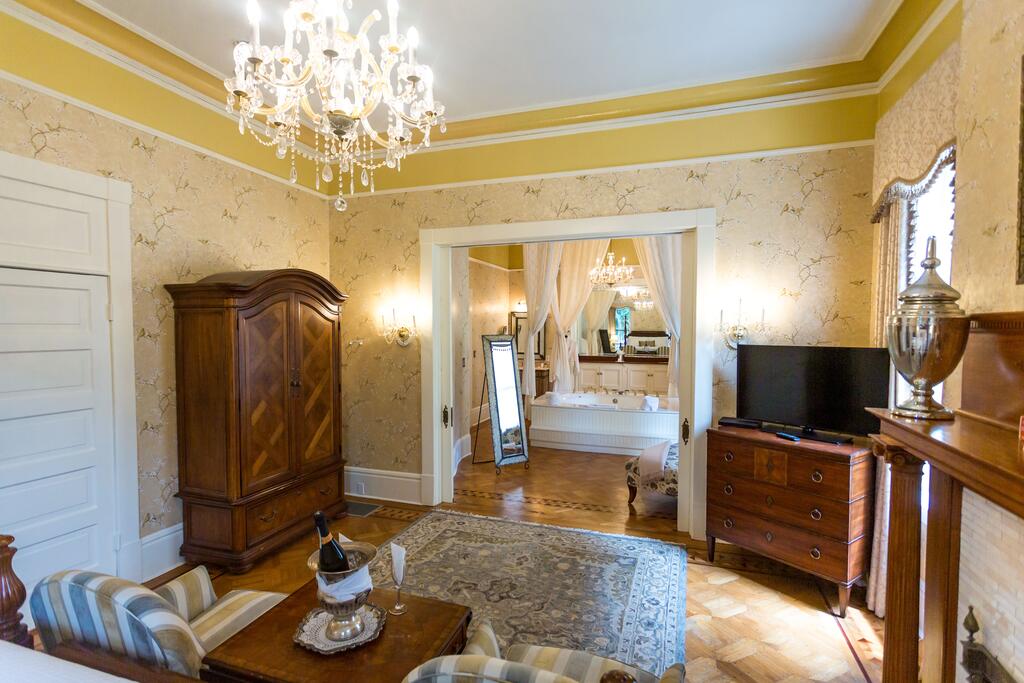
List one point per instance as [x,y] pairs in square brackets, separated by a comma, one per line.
[601,430]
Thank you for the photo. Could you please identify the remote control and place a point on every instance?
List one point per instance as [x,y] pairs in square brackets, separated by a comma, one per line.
[787,437]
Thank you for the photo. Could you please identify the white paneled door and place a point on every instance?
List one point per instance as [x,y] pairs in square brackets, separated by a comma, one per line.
[57,483]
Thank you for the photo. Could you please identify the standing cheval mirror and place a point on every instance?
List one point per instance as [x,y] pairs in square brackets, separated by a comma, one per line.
[508,426]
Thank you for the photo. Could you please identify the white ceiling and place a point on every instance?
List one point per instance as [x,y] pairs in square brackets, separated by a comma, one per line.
[491,57]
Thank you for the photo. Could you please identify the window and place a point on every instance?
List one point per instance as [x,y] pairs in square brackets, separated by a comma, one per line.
[622,324]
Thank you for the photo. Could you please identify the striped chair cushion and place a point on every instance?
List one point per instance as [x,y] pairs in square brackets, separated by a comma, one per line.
[191,594]
[117,615]
[483,641]
[467,668]
[231,614]
[575,665]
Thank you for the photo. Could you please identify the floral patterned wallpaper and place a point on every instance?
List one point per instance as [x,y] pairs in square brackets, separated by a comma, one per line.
[985,244]
[793,239]
[909,135]
[192,216]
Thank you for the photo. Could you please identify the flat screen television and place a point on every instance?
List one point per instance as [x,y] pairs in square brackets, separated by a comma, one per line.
[812,387]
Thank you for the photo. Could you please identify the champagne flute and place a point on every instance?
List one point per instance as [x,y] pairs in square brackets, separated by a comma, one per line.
[398,574]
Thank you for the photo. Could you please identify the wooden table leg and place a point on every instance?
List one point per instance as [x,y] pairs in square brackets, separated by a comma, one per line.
[12,595]
[902,595]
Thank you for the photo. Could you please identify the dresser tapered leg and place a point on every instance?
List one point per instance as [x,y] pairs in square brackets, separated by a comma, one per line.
[844,600]
[711,548]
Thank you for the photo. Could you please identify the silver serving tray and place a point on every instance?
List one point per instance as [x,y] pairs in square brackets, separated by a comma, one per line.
[311,633]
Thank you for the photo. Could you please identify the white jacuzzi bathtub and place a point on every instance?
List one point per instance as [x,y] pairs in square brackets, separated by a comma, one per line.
[601,423]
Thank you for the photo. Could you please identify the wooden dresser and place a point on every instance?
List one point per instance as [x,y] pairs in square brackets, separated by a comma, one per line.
[259,411]
[806,504]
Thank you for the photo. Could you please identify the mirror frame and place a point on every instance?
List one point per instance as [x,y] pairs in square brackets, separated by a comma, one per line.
[514,320]
[490,341]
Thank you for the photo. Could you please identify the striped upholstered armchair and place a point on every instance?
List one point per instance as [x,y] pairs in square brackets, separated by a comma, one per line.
[482,661]
[173,627]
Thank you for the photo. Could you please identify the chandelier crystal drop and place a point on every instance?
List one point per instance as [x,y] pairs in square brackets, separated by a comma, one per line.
[610,274]
[330,79]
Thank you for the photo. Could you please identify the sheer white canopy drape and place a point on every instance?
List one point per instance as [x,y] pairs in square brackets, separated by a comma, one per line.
[540,275]
[661,260]
[574,286]
[595,317]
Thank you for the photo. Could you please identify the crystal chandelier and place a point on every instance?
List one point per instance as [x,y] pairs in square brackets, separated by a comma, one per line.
[611,274]
[642,300]
[328,78]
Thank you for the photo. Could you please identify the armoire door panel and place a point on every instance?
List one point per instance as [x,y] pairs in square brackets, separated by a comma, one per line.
[266,378]
[316,407]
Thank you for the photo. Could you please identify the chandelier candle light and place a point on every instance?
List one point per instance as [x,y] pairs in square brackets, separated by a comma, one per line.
[328,78]
[611,274]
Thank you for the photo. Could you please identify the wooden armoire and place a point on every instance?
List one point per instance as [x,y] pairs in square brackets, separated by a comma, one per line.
[259,411]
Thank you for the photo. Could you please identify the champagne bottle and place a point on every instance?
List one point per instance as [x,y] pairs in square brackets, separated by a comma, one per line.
[332,557]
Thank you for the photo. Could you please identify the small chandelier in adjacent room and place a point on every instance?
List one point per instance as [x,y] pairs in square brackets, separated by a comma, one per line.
[610,274]
[328,78]
[642,300]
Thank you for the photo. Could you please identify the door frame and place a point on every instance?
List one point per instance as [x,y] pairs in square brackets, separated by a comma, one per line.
[118,197]
[697,361]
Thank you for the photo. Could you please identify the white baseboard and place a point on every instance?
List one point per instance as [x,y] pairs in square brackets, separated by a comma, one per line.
[401,487]
[463,448]
[160,551]
[485,415]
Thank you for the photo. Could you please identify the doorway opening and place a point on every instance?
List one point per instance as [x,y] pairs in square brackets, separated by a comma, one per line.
[444,442]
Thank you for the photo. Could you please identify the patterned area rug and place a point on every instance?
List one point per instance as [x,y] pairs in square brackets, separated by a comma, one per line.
[615,596]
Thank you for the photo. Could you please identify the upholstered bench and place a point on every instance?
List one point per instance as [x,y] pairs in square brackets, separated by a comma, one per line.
[172,628]
[667,485]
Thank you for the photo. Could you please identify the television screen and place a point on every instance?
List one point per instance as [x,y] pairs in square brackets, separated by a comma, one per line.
[821,387]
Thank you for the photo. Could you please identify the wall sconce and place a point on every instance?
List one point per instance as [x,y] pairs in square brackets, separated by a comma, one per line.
[735,333]
[397,332]
[519,307]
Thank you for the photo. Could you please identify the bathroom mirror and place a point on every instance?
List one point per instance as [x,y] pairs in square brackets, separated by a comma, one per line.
[622,317]
[508,428]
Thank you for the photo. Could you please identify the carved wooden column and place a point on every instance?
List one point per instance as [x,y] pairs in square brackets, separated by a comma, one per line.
[941,578]
[903,577]
[12,595]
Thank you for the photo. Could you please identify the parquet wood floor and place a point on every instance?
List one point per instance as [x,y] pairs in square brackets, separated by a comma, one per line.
[748,619]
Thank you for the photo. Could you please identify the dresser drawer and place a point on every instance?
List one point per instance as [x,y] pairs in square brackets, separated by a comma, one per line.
[730,456]
[813,513]
[802,549]
[819,476]
[289,506]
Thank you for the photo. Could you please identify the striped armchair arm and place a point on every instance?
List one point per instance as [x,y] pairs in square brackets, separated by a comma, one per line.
[190,594]
[575,665]
[483,641]
[472,668]
[231,614]
[115,615]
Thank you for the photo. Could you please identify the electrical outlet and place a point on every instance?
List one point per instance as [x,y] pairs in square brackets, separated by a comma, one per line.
[361,488]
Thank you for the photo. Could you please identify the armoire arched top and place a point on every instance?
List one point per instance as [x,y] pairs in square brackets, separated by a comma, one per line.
[243,282]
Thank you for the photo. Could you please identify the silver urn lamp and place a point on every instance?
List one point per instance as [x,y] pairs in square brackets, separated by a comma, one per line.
[927,337]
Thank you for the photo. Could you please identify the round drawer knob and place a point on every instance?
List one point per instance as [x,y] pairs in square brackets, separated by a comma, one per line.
[729,456]
[728,489]
[815,554]
[769,500]
[728,523]
[769,536]
[816,515]
[817,476]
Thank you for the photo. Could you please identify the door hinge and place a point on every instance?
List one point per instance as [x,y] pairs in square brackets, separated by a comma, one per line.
[686,431]
[117,542]
[444,417]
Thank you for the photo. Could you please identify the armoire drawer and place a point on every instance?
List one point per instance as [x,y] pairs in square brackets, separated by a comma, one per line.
[802,549]
[794,507]
[732,457]
[285,508]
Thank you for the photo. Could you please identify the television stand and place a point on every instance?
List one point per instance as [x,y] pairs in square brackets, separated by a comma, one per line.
[809,434]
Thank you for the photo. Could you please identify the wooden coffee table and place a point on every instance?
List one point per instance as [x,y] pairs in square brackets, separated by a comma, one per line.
[264,650]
